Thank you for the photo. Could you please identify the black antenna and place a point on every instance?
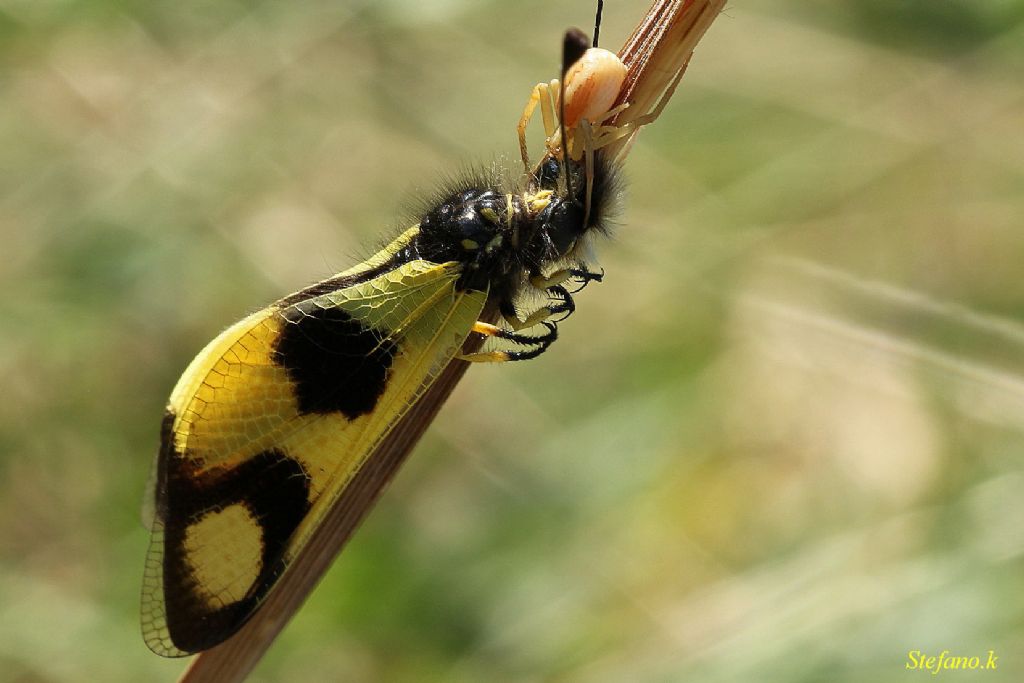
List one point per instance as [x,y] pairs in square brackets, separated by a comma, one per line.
[573,46]
[597,21]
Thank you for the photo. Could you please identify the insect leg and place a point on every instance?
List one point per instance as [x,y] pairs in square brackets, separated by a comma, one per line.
[548,106]
[588,153]
[559,276]
[584,277]
[542,95]
[531,105]
[534,345]
[553,286]
[565,304]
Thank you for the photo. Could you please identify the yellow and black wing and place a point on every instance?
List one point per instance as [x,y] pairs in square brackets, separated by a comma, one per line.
[270,423]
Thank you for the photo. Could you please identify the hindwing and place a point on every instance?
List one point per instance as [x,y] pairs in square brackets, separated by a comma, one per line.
[269,424]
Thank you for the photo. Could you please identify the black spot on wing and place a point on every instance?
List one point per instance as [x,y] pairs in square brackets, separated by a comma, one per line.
[275,490]
[336,362]
[167,453]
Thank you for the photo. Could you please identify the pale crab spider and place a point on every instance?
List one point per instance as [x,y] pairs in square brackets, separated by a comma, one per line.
[592,86]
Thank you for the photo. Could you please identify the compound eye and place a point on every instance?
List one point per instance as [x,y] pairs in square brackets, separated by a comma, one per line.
[563,221]
[592,85]
[547,175]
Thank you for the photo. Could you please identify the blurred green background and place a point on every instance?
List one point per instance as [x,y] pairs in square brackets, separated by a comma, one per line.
[781,442]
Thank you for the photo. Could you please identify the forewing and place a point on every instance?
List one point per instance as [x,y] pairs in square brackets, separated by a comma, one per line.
[267,427]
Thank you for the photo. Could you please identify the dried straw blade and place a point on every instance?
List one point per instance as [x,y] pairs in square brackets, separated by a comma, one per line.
[656,56]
